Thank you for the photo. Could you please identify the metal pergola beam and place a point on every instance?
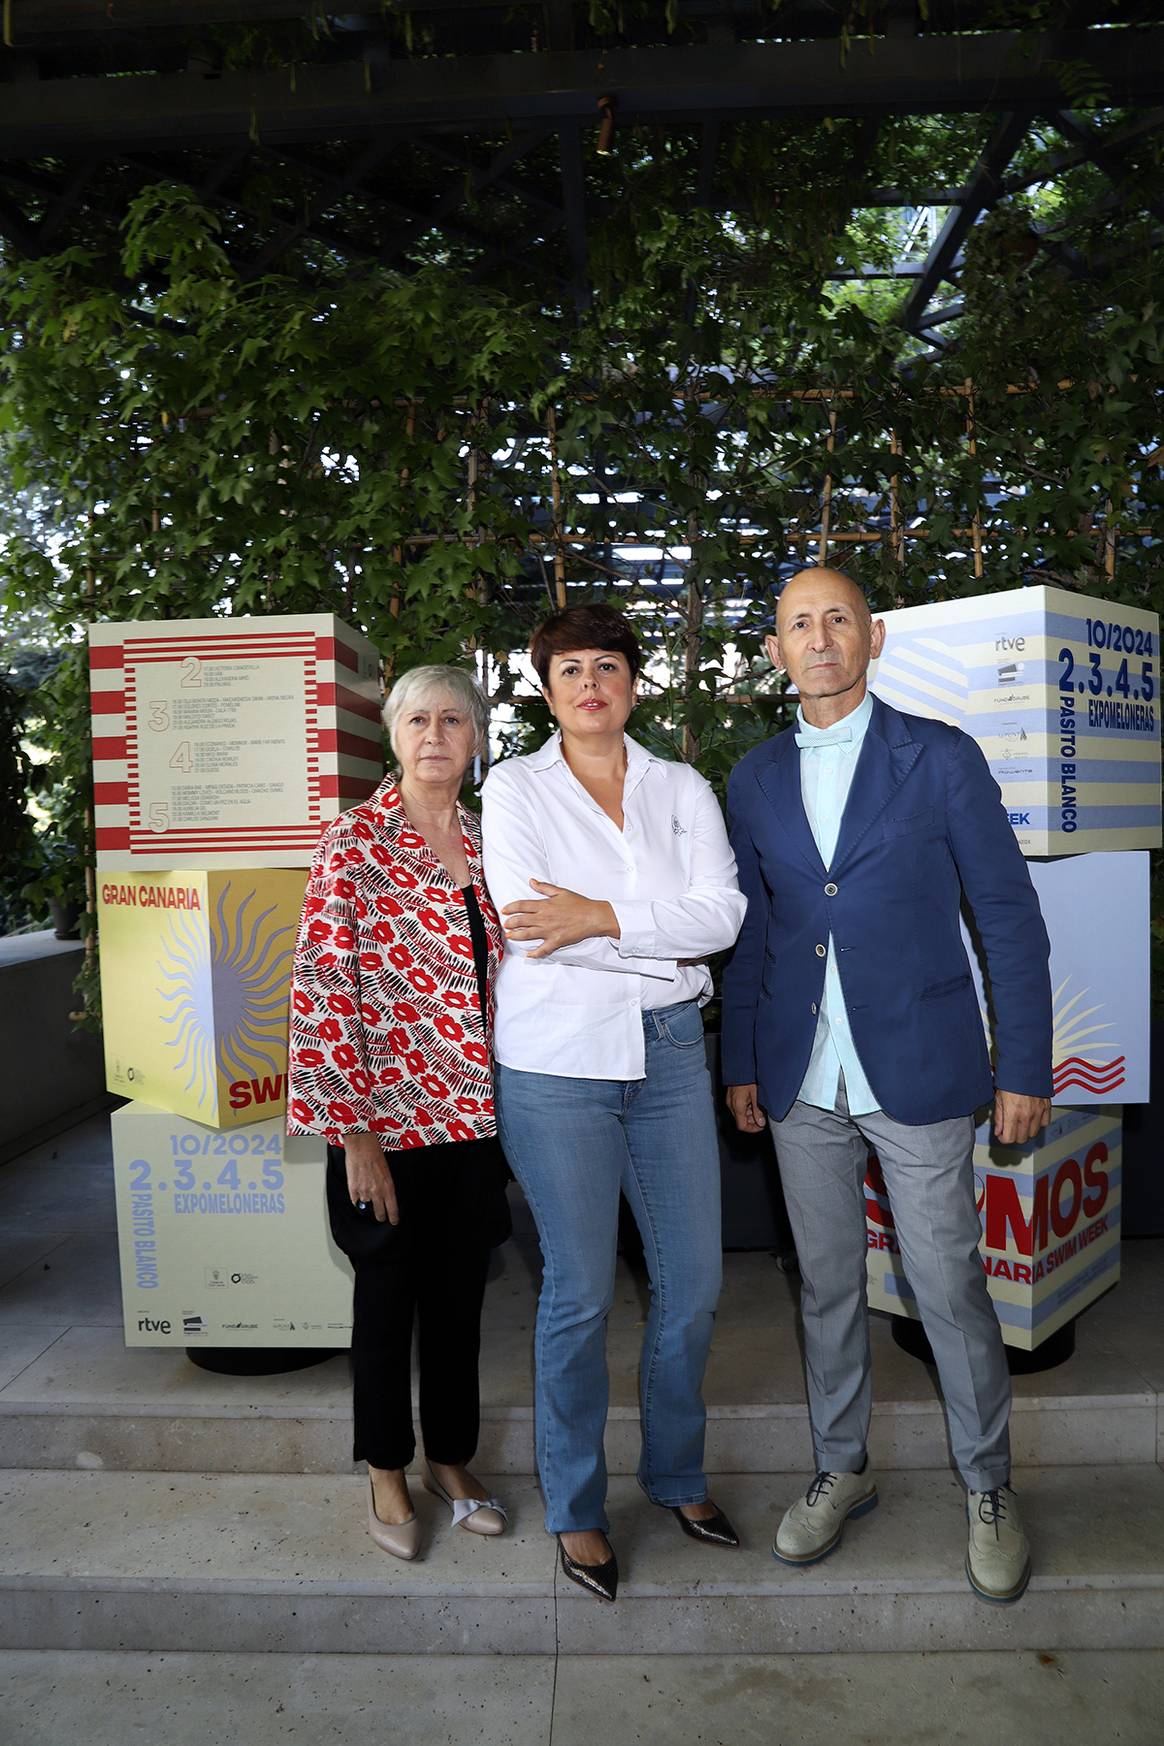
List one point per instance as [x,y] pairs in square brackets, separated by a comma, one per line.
[936,74]
[1109,155]
[473,182]
[981,192]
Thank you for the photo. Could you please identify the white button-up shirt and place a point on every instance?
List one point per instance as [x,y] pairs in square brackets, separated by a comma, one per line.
[669,875]
[826,775]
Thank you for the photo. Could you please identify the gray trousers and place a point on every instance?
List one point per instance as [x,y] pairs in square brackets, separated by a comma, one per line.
[929,1174]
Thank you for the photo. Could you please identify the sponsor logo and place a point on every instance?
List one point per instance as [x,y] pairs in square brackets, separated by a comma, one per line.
[147,1325]
[239,1327]
[193,1325]
[244,1279]
[1009,671]
[214,1276]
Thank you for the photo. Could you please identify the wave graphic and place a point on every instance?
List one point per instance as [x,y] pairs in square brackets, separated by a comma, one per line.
[924,677]
[1099,1079]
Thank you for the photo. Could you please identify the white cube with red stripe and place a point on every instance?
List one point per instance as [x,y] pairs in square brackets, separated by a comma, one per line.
[229,742]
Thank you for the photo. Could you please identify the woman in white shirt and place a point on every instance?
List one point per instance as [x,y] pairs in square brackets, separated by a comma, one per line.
[615,876]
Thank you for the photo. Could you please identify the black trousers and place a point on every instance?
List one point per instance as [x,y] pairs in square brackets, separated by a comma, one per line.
[427,1273]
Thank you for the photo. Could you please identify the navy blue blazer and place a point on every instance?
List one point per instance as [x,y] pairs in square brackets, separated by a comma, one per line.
[922,830]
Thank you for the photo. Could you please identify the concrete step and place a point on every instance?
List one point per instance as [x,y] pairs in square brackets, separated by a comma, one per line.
[78,1398]
[146,1561]
[103,1699]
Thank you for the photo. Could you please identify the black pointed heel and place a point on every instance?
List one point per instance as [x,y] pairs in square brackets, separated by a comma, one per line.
[713,1530]
[600,1580]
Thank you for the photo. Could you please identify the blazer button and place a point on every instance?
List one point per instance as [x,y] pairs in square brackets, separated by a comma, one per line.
[830,890]
[814,1006]
[821,951]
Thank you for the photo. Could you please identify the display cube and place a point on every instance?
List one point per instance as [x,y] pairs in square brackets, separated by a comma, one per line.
[1097,910]
[229,742]
[224,1237]
[1050,1216]
[195,973]
[1061,693]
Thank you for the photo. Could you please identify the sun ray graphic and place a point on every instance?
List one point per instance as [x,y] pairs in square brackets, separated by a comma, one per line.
[187,1002]
[224,992]
[250,972]
[1071,1028]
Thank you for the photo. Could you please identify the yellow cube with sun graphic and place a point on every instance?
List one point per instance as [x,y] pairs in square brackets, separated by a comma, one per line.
[195,973]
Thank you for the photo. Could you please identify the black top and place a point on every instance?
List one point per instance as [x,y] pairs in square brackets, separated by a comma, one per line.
[480,951]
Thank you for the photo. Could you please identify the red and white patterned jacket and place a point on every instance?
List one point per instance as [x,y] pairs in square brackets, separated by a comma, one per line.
[386,1031]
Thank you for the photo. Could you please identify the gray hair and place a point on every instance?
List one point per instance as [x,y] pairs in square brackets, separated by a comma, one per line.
[421,684]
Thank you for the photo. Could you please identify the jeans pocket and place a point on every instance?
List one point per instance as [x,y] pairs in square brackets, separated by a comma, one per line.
[682,1025]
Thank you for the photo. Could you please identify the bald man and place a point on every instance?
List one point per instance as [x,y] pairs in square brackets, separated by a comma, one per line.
[851,1024]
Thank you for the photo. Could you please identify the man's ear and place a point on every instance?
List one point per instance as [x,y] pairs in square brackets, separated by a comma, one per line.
[876,638]
[772,650]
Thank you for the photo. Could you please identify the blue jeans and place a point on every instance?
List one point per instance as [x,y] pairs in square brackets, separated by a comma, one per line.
[573,1144]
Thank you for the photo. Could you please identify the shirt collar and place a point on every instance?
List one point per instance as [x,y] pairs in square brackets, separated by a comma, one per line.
[550,754]
[858,719]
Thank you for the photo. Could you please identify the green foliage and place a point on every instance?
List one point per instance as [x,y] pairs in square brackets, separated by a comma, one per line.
[379,444]
[15,822]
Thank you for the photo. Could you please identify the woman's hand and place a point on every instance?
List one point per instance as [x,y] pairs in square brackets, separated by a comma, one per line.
[369,1178]
[558,918]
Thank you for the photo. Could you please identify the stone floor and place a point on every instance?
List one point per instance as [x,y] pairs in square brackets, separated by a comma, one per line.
[257,1463]
[971,1699]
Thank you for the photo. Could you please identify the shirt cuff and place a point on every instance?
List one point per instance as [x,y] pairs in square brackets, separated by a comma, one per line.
[637,937]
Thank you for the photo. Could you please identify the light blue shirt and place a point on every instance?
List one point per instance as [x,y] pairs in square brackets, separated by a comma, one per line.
[826,775]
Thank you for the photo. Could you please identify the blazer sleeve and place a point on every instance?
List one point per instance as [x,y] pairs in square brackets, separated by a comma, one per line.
[743,971]
[1010,924]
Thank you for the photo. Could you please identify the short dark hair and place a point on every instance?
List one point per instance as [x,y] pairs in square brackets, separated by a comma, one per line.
[584,627]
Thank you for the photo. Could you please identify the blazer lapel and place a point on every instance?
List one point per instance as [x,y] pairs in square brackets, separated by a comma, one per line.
[779,779]
[886,759]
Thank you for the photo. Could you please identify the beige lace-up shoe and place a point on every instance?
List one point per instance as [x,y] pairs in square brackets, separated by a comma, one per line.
[814,1525]
[998,1559]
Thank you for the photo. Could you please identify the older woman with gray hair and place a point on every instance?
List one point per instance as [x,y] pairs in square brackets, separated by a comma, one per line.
[391,1022]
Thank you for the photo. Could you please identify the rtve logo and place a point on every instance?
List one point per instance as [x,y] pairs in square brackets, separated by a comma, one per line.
[1005,644]
[147,1325]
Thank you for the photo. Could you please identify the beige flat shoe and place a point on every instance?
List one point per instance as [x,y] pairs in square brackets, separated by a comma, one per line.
[476,1515]
[402,1539]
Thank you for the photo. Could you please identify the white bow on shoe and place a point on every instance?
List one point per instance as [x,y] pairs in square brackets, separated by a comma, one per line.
[463,1507]
[476,1515]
